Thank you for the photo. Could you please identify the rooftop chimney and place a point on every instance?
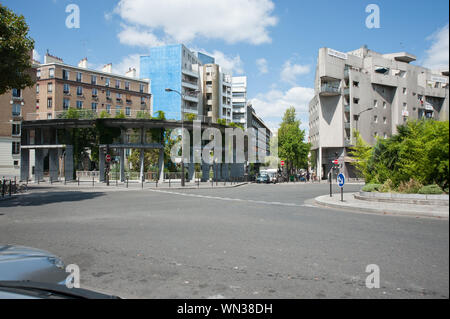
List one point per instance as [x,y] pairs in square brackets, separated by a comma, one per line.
[131,73]
[107,68]
[83,63]
[52,59]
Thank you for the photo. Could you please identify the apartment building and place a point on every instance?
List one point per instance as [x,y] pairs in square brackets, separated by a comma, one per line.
[239,100]
[14,105]
[173,67]
[255,122]
[61,86]
[217,95]
[371,93]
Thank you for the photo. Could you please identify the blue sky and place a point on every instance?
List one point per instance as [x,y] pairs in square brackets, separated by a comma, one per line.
[258,38]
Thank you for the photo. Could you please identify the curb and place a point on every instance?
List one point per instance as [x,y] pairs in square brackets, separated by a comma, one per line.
[379,211]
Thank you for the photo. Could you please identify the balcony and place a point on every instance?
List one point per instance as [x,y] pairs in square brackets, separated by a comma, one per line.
[190,73]
[347,108]
[347,125]
[327,89]
[346,73]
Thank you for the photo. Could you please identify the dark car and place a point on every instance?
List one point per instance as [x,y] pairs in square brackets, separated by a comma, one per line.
[263,179]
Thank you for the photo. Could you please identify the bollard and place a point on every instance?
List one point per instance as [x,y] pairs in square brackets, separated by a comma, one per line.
[169,182]
[10,188]
[93,181]
[3,188]
[331,184]
[78,181]
[127,181]
[117,182]
[156,183]
[142,183]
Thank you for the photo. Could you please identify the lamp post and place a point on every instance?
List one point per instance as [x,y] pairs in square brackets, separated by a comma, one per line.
[183,176]
[357,116]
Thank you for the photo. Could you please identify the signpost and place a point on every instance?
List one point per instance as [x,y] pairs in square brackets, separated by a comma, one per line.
[341,183]
[282,163]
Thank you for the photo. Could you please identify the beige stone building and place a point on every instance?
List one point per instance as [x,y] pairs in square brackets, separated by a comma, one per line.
[14,105]
[61,86]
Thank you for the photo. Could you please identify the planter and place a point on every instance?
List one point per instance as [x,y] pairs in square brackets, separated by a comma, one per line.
[419,199]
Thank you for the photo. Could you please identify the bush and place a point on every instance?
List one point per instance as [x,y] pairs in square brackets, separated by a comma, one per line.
[431,190]
[387,187]
[411,187]
[370,188]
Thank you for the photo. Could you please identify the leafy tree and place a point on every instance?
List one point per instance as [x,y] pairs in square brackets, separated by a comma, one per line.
[15,51]
[361,154]
[190,117]
[291,145]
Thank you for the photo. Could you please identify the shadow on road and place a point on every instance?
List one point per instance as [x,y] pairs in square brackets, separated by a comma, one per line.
[39,199]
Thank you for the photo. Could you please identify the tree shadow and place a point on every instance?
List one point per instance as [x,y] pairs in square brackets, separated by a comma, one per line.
[40,199]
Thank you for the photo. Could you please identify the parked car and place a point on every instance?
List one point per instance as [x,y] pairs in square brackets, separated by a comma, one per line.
[263,179]
[29,273]
[19,263]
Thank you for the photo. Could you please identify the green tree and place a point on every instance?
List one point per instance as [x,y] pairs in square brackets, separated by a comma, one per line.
[15,51]
[291,145]
[361,154]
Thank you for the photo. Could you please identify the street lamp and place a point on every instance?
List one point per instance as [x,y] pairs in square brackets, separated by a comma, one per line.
[168,90]
[357,116]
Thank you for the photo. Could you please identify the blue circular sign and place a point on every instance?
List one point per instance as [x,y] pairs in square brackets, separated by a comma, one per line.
[341,180]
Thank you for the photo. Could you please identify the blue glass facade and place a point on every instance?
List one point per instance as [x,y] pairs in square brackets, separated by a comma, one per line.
[205,59]
[163,67]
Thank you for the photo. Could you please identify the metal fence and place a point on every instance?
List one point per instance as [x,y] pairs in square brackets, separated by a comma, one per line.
[9,187]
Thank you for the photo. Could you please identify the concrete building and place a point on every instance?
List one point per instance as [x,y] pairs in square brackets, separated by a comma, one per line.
[216,91]
[173,67]
[61,86]
[372,93]
[14,106]
[254,121]
[239,100]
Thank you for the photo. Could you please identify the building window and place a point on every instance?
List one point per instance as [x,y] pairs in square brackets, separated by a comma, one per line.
[79,105]
[79,90]
[51,73]
[15,130]
[375,119]
[142,100]
[108,108]
[405,91]
[66,89]
[38,73]
[49,116]
[37,88]
[66,104]
[117,84]
[93,79]
[356,84]
[127,86]
[405,106]
[16,164]
[107,82]
[385,136]
[375,103]
[375,134]
[15,148]
[65,74]
[118,110]
[79,76]
[16,93]
[118,96]
[49,103]
[94,107]
[384,120]
[384,105]
[50,87]
[94,92]
[356,101]
[128,111]
[37,104]
[16,110]
[141,88]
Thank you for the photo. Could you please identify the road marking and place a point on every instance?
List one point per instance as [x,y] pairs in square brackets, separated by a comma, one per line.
[231,199]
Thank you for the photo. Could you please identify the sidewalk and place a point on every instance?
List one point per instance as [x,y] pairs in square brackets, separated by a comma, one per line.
[360,206]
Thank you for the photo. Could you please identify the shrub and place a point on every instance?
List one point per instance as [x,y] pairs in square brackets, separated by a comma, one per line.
[431,190]
[387,187]
[372,188]
[411,187]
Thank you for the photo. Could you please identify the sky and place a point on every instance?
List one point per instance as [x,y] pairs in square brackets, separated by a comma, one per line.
[273,42]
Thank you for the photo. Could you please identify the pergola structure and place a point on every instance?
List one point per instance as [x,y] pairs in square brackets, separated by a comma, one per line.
[52,138]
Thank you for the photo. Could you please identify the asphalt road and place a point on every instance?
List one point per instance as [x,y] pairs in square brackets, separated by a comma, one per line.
[255,241]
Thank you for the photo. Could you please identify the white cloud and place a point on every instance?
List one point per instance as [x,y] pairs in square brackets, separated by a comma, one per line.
[262,66]
[36,56]
[272,105]
[291,71]
[183,21]
[438,55]
[229,63]
[134,36]
[130,61]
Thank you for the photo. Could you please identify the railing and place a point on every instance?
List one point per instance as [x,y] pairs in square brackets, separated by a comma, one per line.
[9,187]
[327,88]
[84,114]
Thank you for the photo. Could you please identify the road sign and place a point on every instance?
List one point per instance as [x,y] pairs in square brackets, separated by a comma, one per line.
[336,162]
[282,163]
[341,180]
[108,158]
